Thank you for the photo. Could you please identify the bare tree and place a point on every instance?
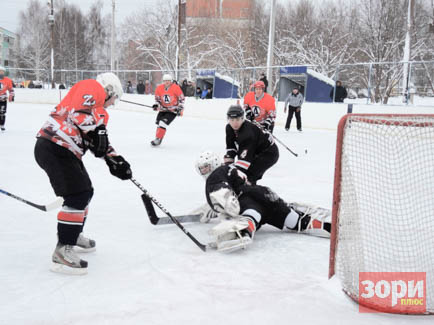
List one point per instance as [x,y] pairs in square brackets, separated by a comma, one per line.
[34,44]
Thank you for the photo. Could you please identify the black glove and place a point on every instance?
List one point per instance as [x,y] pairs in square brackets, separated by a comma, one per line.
[119,167]
[179,111]
[249,113]
[268,124]
[155,107]
[227,159]
[98,141]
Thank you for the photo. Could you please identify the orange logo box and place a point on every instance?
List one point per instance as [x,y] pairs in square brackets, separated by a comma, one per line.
[392,292]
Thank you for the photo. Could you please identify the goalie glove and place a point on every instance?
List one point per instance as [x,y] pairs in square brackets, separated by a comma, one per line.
[234,234]
[225,201]
[206,213]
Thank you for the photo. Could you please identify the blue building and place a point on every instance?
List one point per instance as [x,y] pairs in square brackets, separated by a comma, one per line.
[314,86]
[222,86]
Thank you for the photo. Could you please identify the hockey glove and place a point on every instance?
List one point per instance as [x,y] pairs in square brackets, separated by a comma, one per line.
[119,167]
[98,141]
[179,111]
[11,97]
[268,124]
[249,113]
[155,107]
[227,159]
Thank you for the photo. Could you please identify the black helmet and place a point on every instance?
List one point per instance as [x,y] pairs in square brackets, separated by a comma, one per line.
[235,111]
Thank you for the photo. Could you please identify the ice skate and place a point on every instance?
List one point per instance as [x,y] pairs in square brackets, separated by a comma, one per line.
[84,244]
[156,142]
[66,261]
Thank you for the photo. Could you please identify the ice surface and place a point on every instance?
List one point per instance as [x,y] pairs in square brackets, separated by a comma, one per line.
[143,274]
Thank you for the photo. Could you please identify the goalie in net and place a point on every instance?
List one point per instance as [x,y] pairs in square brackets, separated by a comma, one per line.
[244,208]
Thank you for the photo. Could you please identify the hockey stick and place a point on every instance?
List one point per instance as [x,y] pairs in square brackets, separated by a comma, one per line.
[48,207]
[126,101]
[284,145]
[147,198]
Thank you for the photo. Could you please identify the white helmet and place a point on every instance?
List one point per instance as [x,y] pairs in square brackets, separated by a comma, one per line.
[111,83]
[167,77]
[207,162]
[2,68]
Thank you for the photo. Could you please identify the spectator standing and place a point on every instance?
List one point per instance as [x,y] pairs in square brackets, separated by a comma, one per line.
[184,87]
[129,88]
[140,87]
[148,88]
[198,92]
[293,103]
[340,92]
[264,80]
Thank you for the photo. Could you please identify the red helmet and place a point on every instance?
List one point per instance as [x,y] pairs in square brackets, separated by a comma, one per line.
[259,84]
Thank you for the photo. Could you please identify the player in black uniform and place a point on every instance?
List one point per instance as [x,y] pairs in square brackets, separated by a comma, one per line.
[254,148]
[248,207]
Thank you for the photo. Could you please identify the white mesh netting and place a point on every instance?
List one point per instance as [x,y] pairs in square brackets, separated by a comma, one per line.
[386,211]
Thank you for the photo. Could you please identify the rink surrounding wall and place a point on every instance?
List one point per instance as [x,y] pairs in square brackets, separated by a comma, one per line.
[314,115]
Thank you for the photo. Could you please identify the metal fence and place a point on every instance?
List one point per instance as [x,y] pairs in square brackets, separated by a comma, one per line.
[366,82]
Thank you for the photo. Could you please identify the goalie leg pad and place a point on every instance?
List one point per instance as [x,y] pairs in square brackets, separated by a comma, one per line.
[234,234]
[313,220]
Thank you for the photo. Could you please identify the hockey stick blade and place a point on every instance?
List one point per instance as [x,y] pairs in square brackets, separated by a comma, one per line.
[48,207]
[157,221]
[162,208]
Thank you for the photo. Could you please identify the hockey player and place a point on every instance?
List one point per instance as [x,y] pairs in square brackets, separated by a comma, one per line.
[246,208]
[260,106]
[170,104]
[254,147]
[78,123]
[6,85]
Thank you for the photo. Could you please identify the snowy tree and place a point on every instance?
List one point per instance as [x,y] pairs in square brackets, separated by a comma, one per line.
[34,40]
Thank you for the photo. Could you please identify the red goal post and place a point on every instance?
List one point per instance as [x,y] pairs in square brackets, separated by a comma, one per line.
[383,199]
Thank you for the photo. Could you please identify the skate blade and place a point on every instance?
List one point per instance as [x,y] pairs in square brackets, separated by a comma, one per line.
[79,249]
[64,269]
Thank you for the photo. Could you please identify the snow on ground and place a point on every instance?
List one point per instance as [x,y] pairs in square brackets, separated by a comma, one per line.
[144,274]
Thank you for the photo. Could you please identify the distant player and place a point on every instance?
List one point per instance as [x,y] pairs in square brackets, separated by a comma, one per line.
[253,147]
[6,86]
[260,106]
[77,124]
[245,208]
[170,104]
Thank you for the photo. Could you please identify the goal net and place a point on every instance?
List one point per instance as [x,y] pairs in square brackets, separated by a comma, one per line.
[383,203]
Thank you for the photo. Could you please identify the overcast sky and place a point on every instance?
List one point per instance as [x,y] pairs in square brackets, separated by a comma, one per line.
[9,9]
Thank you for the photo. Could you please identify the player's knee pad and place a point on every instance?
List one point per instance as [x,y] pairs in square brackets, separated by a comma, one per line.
[252,213]
[78,201]
[163,123]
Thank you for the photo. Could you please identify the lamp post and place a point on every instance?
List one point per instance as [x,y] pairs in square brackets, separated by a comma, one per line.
[113,39]
[51,24]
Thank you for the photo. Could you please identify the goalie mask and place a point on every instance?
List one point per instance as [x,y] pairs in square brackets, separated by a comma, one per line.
[111,85]
[207,162]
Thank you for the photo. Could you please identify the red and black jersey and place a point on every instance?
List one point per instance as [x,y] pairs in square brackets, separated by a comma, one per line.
[5,86]
[81,111]
[262,108]
[170,98]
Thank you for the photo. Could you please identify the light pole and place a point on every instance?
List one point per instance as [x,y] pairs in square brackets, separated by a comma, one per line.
[112,48]
[51,23]
[271,46]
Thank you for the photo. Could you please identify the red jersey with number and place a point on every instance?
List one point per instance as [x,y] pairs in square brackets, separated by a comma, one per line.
[5,86]
[262,108]
[81,111]
[171,98]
